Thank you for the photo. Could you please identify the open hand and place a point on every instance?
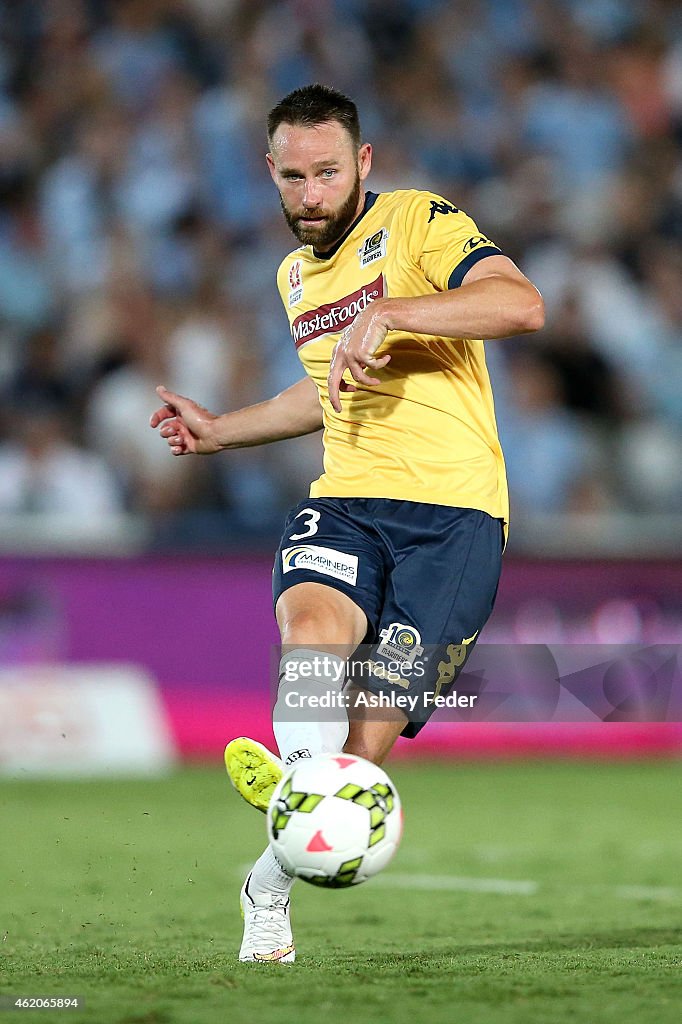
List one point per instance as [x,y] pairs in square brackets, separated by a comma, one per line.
[355,351]
[186,425]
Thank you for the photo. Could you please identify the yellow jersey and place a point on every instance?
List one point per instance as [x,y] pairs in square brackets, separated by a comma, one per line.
[427,433]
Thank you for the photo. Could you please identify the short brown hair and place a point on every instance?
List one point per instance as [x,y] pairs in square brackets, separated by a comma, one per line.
[313,105]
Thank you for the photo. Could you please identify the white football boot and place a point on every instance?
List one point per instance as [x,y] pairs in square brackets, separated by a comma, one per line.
[267,928]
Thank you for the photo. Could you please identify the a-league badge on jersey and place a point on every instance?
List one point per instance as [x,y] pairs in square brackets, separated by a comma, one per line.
[373,248]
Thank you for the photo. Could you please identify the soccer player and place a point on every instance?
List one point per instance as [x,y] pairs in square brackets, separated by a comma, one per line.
[400,541]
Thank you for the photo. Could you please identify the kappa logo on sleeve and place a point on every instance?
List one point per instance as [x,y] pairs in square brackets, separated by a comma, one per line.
[327,561]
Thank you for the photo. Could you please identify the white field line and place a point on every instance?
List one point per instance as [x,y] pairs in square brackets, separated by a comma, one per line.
[442,883]
[501,886]
[458,883]
[648,892]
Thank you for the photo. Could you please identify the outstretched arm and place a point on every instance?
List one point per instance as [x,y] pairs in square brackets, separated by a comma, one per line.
[494,301]
[192,430]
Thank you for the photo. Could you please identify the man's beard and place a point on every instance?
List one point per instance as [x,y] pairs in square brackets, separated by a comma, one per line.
[329,230]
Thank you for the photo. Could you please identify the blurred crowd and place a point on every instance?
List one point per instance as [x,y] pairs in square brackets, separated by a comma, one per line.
[140,233]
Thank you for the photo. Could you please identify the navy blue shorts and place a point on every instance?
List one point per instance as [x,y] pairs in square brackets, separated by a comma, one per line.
[424,575]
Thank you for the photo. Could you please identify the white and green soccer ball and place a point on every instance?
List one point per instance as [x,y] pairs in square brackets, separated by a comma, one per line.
[334,820]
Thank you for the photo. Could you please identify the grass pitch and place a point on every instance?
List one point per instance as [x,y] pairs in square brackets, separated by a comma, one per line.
[522,894]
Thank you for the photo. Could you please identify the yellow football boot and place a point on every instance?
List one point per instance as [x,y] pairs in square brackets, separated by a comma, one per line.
[254,770]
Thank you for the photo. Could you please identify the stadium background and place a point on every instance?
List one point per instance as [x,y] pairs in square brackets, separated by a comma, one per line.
[139,237]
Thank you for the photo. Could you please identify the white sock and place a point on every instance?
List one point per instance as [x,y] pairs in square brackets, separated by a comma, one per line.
[268,877]
[325,732]
[305,674]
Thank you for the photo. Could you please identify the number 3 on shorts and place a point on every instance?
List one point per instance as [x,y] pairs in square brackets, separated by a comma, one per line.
[311,523]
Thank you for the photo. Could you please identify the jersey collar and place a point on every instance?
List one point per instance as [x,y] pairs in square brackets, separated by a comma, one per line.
[370,200]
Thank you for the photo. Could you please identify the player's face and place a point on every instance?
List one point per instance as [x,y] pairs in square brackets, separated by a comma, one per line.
[319,175]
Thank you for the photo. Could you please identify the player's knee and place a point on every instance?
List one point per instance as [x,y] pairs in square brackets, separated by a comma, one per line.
[313,625]
[321,620]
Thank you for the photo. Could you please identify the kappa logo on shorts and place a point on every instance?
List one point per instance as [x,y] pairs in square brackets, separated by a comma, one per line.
[447,670]
[401,643]
[326,561]
[373,248]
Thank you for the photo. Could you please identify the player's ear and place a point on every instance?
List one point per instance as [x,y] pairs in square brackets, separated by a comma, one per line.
[364,160]
[271,167]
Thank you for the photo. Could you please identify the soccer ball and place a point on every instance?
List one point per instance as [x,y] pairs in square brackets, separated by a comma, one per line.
[334,820]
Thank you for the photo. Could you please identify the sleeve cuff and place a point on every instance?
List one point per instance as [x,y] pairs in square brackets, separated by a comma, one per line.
[463,268]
